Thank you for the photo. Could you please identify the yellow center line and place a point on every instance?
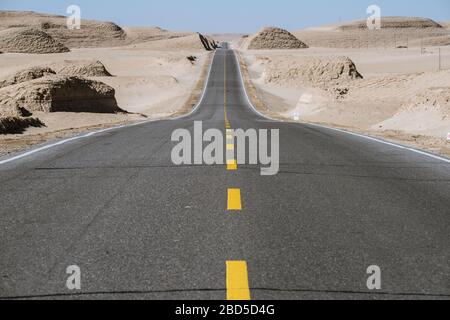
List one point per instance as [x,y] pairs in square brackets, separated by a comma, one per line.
[237,281]
[237,274]
[234,200]
[231,162]
[227,123]
[231,165]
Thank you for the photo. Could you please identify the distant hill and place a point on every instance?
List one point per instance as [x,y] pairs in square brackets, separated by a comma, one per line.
[393,23]
[395,32]
[92,33]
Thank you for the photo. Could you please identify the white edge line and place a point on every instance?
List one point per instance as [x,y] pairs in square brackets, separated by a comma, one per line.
[424,153]
[205,88]
[49,146]
[26,154]
[339,130]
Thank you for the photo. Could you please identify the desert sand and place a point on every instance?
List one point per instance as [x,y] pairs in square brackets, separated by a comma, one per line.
[395,93]
[395,32]
[148,83]
[93,34]
[130,74]
[389,82]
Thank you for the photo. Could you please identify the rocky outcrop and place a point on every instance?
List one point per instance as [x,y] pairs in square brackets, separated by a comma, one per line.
[26,75]
[275,38]
[82,69]
[60,93]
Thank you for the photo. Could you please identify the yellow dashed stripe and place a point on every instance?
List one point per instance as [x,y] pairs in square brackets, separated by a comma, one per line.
[237,281]
[234,200]
[231,165]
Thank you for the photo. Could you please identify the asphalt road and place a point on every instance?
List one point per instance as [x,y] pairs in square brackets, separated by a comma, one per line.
[140,227]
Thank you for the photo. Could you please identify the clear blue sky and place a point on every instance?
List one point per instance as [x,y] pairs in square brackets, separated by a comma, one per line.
[232,15]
